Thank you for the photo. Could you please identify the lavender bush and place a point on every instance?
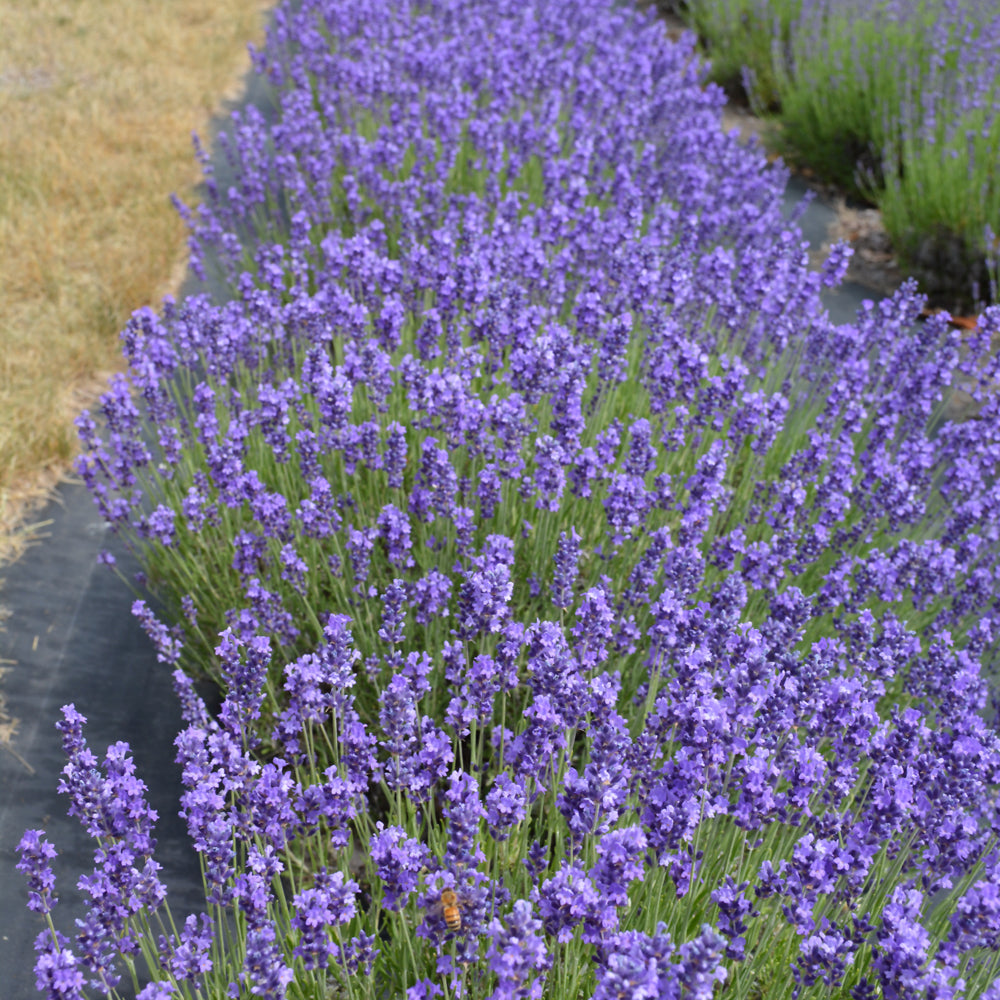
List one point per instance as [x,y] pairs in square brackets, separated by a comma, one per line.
[896,102]
[592,616]
[740,37]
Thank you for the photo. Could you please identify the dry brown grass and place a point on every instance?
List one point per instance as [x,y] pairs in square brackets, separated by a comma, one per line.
[98,99]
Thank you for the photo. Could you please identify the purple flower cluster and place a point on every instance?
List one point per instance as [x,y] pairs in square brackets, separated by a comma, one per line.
[643,965]
[36,853]
[571,580]
[110,803]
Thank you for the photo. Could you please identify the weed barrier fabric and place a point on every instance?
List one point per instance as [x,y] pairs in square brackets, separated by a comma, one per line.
[71,638]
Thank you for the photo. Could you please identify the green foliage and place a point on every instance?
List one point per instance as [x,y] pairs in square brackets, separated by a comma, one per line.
[893,103]
[740,37]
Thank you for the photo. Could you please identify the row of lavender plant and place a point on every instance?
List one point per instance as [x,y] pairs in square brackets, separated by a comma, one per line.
[895,101]
[551,549]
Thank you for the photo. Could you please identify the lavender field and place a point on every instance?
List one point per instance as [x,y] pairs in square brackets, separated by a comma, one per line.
[591,616]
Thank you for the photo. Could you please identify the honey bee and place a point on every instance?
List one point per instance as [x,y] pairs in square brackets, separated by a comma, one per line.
[450,909]
[446,905]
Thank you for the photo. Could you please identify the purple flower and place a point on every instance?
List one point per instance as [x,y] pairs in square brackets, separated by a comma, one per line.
[620,861]
[431,593]
[643,965]
[505,806]
[463,812]
[36,853]
[537,861]
[99,938]
[358,755]
[246,678]
[593,628]
[318,684]
[479,687]
[976,921]
[488,492]
[205,808]
[734,908]
[554,673]
[270,805]
[196,508]
[437,484]
[267,612]
[360,954]
[393,629]
[398,719]
[823,957]
[162,990]
[272,415]
[569,899]
[317,513]
[550,475]
[329,902]
[166,640]
[564,577]
[614,340]
[394,527]
[187,956]
[395,454]
[464,520]
[160,525]
[587,469]
[118,888]
[331,389]
[359,549]
[293,568]
[593,801]
[484,596]
[250,550]
[626,506]
[433,762]
[264,968]
[424,989]
[642,456]
[398,860]
[517,954]
[113,806]
[902,955]
[701,967]
[57,970]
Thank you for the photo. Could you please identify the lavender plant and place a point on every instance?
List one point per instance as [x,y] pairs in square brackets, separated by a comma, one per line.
[592,616]
[940,198]
[895,102]
[847,75]
[901,100]
[739,37]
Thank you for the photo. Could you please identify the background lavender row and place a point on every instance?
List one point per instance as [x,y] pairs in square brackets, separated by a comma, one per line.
[896,102]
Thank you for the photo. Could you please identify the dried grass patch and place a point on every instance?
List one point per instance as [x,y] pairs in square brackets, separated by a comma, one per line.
[98,99]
